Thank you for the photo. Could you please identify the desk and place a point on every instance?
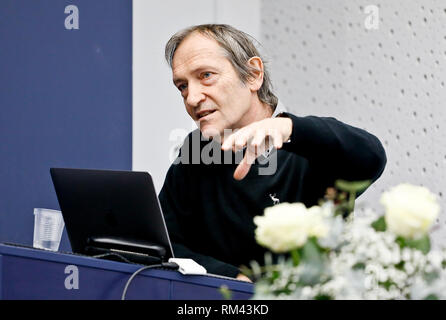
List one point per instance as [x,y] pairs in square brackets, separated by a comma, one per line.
[28,273]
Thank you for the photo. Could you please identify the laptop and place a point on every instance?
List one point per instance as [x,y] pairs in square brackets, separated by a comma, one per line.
[112,213]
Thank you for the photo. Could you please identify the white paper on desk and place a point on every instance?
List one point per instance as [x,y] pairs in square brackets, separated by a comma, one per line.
[188,266]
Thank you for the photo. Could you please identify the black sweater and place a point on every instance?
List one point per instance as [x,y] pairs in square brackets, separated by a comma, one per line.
[209,214]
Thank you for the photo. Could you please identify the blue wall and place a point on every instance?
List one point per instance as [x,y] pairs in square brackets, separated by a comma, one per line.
[65,101]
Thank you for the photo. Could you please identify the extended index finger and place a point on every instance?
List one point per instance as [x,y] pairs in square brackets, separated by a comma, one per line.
[245,165]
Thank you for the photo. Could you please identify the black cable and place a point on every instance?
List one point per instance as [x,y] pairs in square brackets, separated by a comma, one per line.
[112,254]
[168,265]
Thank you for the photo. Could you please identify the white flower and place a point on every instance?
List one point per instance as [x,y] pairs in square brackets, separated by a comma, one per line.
[410,210]
[287,226]
[421,289]
[436,259]
[315,222]
[362,263]
[333,239]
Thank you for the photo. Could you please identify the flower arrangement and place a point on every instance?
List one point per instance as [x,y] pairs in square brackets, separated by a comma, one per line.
[324,252]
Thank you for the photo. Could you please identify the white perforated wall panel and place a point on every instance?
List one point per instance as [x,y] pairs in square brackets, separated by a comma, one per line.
[389,81]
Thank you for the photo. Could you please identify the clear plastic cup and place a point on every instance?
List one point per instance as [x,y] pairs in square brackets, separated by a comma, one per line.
[48,228]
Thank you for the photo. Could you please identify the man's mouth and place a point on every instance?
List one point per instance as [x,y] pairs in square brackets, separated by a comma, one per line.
[203,114]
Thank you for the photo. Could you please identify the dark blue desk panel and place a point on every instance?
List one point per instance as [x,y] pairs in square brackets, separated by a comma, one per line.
[27,273]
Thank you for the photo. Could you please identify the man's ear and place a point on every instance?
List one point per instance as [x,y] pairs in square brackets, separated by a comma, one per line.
[255,80]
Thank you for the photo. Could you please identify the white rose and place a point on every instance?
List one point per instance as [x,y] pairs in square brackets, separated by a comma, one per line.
[410,210]
[287,226]
[315,222]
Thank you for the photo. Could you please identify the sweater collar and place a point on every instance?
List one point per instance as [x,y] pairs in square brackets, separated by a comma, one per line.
[279,109]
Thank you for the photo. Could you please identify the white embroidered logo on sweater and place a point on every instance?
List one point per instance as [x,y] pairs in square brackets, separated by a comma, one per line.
[273,197]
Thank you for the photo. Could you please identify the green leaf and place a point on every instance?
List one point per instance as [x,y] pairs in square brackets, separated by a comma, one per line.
[387,284]
[311,252]
[225,292]
[359,266]
[248,272]
[352,186]
[296,257]
[380,225]
[401,242]
[400,265]
[423,244]
[431,297]
[344,209]
[430,277]
[312,261]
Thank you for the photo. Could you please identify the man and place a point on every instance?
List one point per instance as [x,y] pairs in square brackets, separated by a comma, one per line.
[209,207]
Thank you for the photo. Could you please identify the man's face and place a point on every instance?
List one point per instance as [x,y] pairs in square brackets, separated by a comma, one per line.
[209,83]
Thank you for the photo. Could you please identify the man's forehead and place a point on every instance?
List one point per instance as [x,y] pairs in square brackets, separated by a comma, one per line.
[196,49]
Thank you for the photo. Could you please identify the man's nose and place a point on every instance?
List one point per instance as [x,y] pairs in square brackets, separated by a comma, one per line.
[195,95]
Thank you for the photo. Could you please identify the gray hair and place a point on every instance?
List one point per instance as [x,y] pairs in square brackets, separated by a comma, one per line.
[237,46]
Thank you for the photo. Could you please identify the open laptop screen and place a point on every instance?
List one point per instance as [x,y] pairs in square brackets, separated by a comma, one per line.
[115,209]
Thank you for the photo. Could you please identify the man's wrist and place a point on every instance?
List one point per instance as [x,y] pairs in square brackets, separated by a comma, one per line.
[243,277]
[289,127]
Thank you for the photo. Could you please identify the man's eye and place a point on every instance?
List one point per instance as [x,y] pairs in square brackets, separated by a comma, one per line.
[181,87]
[206,75]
